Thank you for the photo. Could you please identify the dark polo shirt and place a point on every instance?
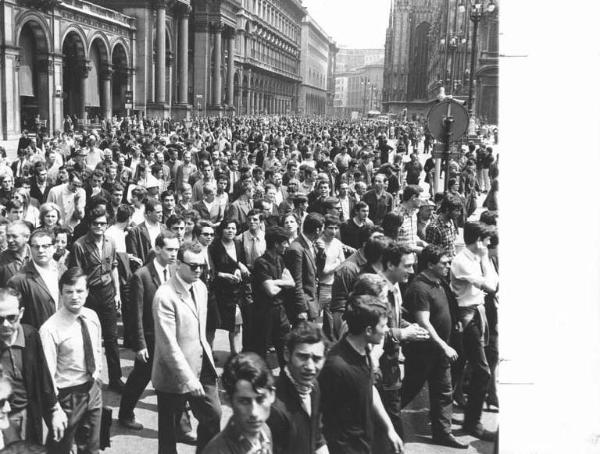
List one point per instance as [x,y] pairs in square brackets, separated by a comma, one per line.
[347,400]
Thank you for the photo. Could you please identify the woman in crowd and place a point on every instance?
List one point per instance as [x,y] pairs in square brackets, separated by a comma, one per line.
[228,258]
[49,215]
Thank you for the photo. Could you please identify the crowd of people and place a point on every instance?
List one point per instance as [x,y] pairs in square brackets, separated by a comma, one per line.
[313,241]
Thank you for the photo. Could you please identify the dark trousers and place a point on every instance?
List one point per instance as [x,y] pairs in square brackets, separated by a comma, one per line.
[83,408]
[135,385]
[271,325]
[427,363]
[102,301]
[491,350]
[206,409]
[393,406]
[473,352]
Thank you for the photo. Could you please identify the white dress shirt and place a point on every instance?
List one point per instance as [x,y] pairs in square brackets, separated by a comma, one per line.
[62,342]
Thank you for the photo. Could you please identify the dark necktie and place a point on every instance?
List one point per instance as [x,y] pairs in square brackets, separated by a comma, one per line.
[88,351]
[165,274]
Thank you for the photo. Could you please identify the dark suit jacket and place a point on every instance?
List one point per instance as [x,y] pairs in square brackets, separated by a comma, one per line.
[40,196]
[239,212]
[293,431]
[38,383]
[37,300]
[142,286]
[303,266]
[224,291]
[138,243]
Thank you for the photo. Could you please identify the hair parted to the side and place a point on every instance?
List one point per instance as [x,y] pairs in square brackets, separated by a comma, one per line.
[246,366]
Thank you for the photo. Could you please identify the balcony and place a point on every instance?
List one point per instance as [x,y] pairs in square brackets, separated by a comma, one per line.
[100,12]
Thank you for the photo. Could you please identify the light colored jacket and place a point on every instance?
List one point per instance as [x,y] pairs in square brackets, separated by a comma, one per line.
[180,337]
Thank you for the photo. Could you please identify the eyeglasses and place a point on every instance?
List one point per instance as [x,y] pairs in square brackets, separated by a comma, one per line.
[194,266]
[41,246]
[11,318]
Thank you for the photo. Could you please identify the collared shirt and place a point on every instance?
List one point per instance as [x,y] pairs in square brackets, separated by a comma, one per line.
[11,358]
[409,229]
[62,342]
[50,278]
[161,272]
[118,236]
[249,242]
[466,272]
[153,231]
[232,441]
[442,234]
[138,215]
[97,266]
[345,204]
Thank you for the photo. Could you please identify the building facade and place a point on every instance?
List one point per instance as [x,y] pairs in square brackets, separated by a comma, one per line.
[158,58]
[63,58]
[429,44]
[317,57]
[358,81]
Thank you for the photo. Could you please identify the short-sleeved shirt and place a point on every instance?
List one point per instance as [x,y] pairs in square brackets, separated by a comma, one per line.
[347,422]
[442,234]
[426,293]
[98,267]
[268,267]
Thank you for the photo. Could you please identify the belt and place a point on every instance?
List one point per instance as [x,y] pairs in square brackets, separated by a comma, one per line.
[82,388]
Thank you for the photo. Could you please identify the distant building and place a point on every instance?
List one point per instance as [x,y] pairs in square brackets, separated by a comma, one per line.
[358,81]
[428,46]
[316,69]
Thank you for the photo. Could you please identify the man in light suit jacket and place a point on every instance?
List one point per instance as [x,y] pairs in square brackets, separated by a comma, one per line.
[183,369]
[304,258]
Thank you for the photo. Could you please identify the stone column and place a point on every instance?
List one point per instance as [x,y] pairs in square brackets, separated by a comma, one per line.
[230,73]
[161,54]
[107,75]
[183,55]
[84,71]
[216,101]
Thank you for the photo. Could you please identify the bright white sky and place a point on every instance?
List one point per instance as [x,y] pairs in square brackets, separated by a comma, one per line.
[357,24]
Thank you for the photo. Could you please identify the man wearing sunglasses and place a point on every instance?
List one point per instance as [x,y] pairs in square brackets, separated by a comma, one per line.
[184,369]
[96,255]
[24,364]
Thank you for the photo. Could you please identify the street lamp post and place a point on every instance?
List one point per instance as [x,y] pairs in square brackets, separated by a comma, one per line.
[476,13]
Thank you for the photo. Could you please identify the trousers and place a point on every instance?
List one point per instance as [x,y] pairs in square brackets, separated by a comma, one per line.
[270,325]
[206,409]
[427,363]
[473,352]
[83,408]
[102,301]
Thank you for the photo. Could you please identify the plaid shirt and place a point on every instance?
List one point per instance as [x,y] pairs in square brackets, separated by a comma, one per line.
[442,234]
[409,230]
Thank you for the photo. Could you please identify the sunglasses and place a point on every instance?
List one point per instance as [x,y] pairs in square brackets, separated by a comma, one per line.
[194,266]
[11,319]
